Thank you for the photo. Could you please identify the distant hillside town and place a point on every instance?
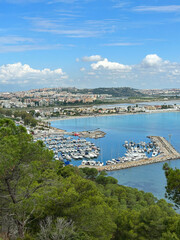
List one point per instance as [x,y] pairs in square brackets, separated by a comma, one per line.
[46,97]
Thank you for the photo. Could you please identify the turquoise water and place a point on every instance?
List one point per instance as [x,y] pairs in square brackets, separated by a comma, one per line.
[149,178]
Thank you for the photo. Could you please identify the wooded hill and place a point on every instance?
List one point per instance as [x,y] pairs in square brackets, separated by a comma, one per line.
[115,92]
[40,199]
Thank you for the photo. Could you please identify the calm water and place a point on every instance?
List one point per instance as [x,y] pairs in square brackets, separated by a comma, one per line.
[149,178]
[177,102]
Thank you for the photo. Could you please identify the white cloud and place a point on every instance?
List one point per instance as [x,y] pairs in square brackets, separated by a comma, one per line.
[105,64]
[14,40]
[93,58]
[18,73]
[152,71]
[21,44]
[75,29]
[165,9]
[152,60]
[22,48]
[74,33]
[91,73]
[176,72]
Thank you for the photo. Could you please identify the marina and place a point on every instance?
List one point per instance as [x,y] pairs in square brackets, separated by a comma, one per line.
[118,129]
[67,148]
[73,147]
[166,150]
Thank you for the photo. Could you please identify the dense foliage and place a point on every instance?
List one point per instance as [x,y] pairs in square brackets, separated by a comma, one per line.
[173,184]
[27,117]
[42,199]
[115,92]
[118,92]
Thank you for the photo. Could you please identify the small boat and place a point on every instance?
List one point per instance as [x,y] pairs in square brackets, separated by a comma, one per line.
[84,162]
[154,154]
[67,157]
[98,163]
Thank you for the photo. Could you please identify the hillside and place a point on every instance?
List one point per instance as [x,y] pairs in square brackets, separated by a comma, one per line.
[118,92]
[41,199]
[115,92]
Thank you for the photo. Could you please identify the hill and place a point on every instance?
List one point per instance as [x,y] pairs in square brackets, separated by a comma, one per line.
[118,92]
[115,92]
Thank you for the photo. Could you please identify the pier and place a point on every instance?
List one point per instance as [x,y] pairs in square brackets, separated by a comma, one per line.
[167,152]
[88,134]
[94,134]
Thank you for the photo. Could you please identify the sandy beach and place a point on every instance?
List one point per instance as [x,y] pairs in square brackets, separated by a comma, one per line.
[113,114]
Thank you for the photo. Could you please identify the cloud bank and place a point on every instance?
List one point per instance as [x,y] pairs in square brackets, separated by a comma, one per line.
[19,74]
[152,71]
[105,64]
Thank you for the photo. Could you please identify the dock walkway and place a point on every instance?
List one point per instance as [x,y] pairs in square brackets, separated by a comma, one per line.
[167,152]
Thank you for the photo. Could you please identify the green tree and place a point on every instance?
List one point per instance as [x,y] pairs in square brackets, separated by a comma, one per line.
[42,199]
[169,236]
[101,179]
[173,184]
[37,114]
[90,173]
[23,114]
[8,113]
[32,112]
[23,172]
[17,114]
[27,120]
[33,122]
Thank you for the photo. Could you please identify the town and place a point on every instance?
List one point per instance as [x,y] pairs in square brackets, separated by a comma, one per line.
[49,97]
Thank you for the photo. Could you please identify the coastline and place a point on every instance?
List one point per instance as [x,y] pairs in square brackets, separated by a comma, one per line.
[107,115]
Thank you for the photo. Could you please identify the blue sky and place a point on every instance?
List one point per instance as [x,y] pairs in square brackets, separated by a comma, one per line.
[88,43]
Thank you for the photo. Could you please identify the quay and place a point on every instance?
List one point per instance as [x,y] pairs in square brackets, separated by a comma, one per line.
[167,152]
[81,134]
[88,134]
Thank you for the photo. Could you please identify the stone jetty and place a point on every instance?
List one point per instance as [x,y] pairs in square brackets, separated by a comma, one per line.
[97,133]
[167,152]
[88,134]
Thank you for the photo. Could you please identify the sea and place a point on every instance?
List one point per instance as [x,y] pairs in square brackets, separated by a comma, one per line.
[140,104]
[136,128]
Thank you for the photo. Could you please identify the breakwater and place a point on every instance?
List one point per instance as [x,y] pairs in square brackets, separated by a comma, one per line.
[167,152]
[88,134]
[46,132]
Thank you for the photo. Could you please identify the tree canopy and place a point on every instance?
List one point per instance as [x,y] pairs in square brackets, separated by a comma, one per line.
[173,184]
[40,198]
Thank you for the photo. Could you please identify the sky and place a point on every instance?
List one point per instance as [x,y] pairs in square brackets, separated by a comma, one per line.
[89,44]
